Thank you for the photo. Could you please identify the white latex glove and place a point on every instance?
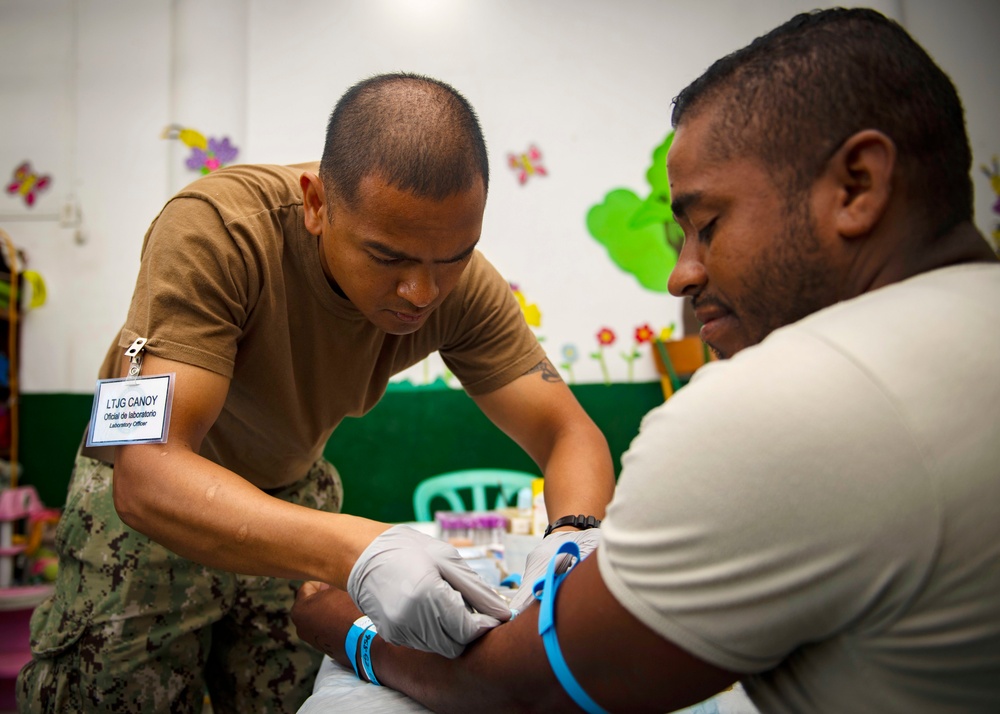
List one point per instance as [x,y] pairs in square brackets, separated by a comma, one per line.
[420,593]
[538,559]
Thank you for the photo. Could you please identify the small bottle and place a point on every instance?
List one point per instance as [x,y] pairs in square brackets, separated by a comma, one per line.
[524,501]
[468,529]
[498,529]
[477,530]
[446,525]
[520,524]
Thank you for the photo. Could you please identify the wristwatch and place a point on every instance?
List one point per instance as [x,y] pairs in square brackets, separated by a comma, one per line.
[581,522]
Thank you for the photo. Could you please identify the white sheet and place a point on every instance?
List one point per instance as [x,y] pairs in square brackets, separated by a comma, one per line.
[339,690]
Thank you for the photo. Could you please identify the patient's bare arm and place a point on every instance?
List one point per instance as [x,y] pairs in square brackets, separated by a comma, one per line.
[621,663]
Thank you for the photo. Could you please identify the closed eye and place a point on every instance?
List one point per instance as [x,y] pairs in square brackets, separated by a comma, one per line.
[705,233]
[384,261]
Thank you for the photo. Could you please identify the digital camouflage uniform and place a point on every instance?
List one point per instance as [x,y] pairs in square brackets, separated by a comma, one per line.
[235,638]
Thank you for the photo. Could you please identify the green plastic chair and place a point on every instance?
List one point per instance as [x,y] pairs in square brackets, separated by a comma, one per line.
[447,486]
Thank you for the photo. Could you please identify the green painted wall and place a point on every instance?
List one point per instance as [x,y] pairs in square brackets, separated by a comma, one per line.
[410,435]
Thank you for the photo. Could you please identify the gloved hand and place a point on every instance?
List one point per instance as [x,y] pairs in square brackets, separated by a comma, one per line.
[538,559]
[420,593]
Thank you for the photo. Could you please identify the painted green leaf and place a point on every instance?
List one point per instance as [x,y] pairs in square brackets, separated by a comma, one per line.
[656,207]
[641,251]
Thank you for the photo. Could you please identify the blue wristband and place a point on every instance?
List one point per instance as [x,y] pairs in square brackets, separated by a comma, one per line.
[366,655]
[545,591]
[360,626]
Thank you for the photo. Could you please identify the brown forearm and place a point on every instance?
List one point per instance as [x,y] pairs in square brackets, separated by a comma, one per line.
[540,413]
[579,475]
[212,516]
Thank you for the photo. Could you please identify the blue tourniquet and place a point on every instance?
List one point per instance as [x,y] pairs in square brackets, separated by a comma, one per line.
[545,591]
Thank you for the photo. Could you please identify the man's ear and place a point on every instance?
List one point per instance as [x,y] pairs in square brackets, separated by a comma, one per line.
[313,202]
[862,170]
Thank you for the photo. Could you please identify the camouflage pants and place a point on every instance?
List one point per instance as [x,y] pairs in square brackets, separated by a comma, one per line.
[132,627]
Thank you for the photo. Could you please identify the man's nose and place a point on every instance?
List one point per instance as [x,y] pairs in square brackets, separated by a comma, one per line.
[688,277]
[419,288]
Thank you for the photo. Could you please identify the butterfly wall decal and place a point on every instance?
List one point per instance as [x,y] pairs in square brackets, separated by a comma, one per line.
[27,183]
[527,164]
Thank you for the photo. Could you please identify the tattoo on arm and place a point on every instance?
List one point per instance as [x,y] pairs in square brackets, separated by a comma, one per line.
[549,373]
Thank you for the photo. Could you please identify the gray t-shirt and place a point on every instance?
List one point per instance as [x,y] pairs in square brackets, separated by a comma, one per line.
[822,511]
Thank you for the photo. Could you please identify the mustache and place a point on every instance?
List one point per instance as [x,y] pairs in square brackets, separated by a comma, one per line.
[704,300]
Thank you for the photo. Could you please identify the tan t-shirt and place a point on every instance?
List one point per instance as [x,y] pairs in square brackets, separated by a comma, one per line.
[230,280]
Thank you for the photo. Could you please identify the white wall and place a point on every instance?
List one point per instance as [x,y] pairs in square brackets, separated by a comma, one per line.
[88,86]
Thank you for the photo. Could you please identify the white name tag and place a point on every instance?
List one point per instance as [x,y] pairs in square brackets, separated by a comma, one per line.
[132,410]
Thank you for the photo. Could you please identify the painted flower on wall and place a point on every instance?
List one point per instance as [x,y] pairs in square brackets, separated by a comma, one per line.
[643,334]
[570,355]
[219,153]
[207,155]
[532,315]
[605,338]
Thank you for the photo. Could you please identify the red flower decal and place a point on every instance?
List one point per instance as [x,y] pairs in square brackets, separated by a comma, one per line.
[643,333]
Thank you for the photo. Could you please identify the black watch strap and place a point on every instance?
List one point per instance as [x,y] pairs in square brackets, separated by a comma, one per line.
[581,522]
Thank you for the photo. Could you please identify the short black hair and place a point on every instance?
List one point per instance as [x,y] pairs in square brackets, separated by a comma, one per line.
[419,134]
[793,96]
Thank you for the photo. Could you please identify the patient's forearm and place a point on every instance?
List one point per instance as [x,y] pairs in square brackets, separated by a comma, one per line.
[505,670]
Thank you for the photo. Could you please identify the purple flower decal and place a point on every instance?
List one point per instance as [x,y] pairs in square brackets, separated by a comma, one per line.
[220,153]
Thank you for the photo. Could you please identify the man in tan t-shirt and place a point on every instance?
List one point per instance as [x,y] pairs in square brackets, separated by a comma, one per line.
[281,300]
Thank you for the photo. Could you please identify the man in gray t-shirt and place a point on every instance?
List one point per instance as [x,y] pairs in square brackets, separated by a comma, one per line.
[816,516]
